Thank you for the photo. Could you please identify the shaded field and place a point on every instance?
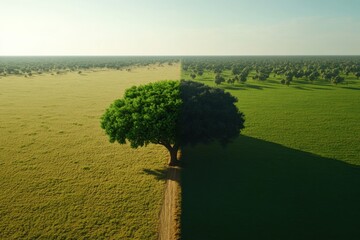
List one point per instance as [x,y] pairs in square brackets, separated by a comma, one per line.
[59,175]
[255,189]
[294,174]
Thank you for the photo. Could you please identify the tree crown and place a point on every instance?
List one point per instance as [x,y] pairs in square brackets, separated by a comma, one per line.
[173,113]
[146,114]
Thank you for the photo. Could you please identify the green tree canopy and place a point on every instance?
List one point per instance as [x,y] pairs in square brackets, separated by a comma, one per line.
[207,114]
[219,79]
[173,114]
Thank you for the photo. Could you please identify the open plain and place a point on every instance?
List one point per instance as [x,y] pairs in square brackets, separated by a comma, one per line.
[59,175]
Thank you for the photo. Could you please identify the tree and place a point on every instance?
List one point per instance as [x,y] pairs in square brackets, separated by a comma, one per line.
[299,74]
[262,76]
[231,81]
[172,114]
[193,75]
[357,74]
[328,75]
[243,77]
[146,114]
[289,76]
[207,114]
[235,70]
[219,79]
[337,80]
[312,77]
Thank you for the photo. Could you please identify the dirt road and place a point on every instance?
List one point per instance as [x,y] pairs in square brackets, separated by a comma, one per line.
[169,228]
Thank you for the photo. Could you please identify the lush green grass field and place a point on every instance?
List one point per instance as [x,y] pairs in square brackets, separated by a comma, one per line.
[292,175]
[59,176]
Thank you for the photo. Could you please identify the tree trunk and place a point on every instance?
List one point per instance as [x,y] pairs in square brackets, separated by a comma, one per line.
[173,157]
[173,150]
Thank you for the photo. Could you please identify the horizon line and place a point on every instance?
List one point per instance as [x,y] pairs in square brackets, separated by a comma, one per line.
[190,55]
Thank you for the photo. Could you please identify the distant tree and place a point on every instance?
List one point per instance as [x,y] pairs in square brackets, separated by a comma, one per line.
[289,76]
[236,78]
[335,71]
[262,76]
[79,72]
[218,70]
[173,114]
[307,73]
[219,79]
[243,77]
[357,74]
[235,70]
[327,76]
[299,74]
[312,77]
[193,75]
[337,79]
[231,80]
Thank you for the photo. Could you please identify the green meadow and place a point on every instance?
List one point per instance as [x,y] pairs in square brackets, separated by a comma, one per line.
[60,178]
[293,174]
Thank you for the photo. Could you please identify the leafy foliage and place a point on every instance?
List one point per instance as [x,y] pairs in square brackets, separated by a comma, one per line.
[173,114]
[208,114]
[146,114]
[219,79]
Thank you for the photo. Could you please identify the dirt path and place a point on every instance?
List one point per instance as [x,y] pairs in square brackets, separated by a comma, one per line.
[169,228]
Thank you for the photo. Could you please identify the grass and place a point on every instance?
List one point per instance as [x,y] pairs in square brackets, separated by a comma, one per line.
[317,118]
[293,174]
[59,175]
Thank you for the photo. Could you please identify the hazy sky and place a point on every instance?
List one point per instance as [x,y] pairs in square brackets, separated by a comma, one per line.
[179,27]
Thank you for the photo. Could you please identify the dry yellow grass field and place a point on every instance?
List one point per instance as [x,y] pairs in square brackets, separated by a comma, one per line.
[59,175]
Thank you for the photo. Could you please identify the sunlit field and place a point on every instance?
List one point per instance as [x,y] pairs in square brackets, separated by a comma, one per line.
[59,175]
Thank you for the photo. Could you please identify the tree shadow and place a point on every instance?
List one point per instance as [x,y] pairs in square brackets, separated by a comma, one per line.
[165,173]
[302,88]
[245,86]
[351,88]
[325,87]
[253,86]
[254,189]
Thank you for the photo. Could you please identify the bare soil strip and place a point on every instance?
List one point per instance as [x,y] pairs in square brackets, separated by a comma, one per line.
[169,228]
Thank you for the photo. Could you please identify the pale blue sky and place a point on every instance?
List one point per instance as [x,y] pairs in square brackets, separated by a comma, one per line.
[183,27]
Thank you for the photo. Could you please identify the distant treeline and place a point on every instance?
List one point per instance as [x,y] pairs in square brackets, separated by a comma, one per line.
[37,65]
[330,68]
